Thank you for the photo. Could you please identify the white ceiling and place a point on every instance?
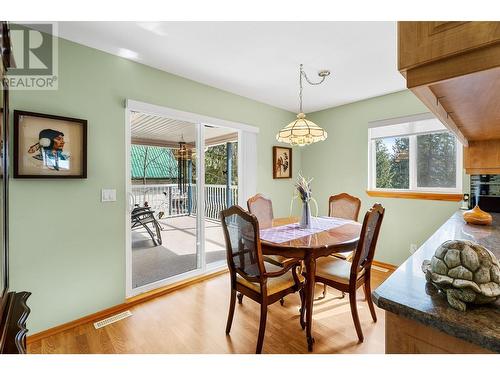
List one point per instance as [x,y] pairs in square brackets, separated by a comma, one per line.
[259,60]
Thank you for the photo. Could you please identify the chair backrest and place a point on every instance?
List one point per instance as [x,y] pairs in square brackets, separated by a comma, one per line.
[244,254]
[344,206]
[363,256]
[262,208]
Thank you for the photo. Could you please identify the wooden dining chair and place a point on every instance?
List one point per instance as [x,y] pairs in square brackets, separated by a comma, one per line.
[348,277]
[262,282]
[344,206]
[262,208]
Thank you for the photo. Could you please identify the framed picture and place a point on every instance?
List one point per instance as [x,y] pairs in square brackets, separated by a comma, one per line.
[282,162]
[47,146]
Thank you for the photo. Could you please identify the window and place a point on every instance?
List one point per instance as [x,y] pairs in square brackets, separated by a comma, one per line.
[415,153]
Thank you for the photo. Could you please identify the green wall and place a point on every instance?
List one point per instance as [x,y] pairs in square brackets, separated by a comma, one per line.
[340,164]
[67,247]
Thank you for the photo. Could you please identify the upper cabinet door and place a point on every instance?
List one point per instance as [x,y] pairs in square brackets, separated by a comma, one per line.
[423,42]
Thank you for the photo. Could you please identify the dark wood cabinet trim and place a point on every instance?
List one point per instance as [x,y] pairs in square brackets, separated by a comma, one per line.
[13,340]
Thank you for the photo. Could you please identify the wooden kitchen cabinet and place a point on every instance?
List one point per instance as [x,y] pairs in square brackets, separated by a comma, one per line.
[407,336]
[482,157]
[453,67]
[424,42]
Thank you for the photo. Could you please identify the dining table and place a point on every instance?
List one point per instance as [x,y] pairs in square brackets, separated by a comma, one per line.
[327,236]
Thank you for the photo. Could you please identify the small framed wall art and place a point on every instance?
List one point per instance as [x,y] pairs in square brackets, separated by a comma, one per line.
[282,162]
[48,146]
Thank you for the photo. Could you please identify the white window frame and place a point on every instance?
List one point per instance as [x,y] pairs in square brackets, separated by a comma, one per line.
[411,127]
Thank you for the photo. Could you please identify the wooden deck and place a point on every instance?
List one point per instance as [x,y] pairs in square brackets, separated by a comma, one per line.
[177,254]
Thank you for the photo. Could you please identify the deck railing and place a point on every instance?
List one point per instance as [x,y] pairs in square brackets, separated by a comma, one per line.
[169,200]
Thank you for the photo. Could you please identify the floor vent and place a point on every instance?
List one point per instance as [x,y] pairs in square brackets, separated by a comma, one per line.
[112,319]
[381,269]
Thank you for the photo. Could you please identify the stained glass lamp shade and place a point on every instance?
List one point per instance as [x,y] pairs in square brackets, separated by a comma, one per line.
[301,132]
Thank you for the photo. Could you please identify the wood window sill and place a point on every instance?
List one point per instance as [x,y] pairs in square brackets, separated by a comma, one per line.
[415,195]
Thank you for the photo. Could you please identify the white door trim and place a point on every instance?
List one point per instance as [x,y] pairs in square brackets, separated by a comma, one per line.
[199,121]
[128,222]
[200,199]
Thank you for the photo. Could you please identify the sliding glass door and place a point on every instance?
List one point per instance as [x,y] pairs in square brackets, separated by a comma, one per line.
[220,162]
[164,162]
[182,175]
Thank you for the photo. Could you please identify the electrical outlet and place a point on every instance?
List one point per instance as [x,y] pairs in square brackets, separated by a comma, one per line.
[413,248]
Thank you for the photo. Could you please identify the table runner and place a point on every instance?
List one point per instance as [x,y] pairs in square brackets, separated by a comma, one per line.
[293,231]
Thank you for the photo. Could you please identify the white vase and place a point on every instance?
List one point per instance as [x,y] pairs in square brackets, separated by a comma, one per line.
[306,220]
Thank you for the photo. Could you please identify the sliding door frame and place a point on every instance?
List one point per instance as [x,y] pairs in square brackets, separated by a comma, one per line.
[200,121]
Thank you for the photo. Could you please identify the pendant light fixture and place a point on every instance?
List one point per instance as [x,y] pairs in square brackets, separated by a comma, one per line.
[302,132]
[183,155]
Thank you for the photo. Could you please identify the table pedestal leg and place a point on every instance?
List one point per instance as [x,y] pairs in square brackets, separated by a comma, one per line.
[310,263]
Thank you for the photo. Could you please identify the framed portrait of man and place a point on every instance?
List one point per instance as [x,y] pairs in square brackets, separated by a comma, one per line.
[282,162]
[48,146]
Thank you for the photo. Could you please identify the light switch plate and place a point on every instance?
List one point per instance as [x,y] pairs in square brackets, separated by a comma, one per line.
[108,195]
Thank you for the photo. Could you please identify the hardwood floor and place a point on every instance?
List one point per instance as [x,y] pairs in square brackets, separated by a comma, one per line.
[193,319]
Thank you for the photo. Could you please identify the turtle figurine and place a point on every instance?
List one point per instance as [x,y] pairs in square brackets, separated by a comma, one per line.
[465,271]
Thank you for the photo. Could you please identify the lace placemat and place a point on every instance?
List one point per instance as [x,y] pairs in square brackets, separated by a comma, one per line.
[290,232]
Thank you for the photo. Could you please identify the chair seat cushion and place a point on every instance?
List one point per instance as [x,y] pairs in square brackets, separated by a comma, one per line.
[334,269]
[274,284]
[345,256]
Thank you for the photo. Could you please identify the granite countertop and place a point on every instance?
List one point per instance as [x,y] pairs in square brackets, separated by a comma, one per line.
[407,293]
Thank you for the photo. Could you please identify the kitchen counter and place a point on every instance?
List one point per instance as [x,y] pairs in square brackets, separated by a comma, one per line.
[407,294]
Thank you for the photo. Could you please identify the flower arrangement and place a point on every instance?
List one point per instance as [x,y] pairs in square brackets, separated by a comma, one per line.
[304,188]
[304,192]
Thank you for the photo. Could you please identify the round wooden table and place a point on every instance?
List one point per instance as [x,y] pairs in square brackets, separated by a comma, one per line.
[340,239]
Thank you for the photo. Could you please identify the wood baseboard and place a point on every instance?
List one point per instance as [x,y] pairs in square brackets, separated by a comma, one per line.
[389,266]
[129,302]
[143,297]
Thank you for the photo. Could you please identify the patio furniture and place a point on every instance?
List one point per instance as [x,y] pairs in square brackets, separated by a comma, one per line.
[141,217]
[250,276]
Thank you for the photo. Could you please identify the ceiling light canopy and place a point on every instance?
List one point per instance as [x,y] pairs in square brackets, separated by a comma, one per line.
[302,132]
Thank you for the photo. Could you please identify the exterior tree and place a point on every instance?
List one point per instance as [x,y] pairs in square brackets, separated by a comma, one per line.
[436,162]
[383,160]
[215,165]
[400,163]
[158,161]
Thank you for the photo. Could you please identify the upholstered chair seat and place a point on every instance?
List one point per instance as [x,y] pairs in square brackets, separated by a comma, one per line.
[335,269]
[274,284]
